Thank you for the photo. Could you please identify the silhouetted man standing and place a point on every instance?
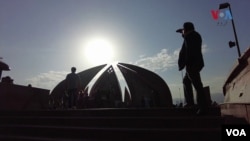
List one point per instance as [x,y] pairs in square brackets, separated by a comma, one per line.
[73,85]
[190,57]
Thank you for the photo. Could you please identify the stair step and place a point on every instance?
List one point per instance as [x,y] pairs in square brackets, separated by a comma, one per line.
[111,124]
[114,112]
[28,138]
[129,122]
[111,133]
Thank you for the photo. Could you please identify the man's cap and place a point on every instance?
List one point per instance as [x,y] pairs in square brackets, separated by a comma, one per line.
[186,26]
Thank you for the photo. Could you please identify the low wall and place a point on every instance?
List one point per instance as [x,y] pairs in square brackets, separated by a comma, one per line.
[236,110]
[17,97]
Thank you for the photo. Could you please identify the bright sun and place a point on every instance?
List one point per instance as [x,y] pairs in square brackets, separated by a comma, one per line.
[99,51]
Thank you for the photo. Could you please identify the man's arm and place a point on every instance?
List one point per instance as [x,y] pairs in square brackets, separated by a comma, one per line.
[182,56]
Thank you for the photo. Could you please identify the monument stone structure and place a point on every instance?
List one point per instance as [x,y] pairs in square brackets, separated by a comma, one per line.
[141,88]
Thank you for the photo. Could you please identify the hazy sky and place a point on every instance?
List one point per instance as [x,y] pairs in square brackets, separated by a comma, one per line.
[42,39]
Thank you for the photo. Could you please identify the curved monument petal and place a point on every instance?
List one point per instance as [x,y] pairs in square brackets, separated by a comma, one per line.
[86,76]
[146,84]
[106,91]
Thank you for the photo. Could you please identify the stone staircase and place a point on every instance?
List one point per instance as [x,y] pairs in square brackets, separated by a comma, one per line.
[152,124]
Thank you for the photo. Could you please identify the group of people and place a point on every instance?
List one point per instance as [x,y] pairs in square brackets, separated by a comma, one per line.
[190,58]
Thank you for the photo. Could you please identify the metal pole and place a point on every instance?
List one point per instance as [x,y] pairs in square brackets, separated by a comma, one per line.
[235,35]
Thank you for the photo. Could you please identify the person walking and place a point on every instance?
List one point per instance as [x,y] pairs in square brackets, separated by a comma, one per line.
[191,58]
[73,85]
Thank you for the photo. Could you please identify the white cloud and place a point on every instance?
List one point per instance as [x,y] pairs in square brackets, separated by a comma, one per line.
[159,62]
[204,48]
[162,60]
[47,80]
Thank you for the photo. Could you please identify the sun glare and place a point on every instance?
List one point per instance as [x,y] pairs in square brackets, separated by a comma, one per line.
[99,51]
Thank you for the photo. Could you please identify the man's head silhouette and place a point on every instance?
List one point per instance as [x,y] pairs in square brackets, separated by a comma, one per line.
[188,26]
[73,69]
